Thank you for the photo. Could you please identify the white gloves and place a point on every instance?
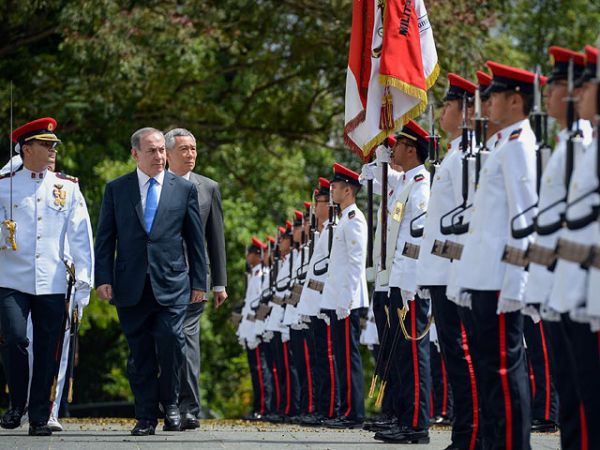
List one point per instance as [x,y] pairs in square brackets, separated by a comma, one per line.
[324,317]
[424,293]
[407,296]
[383,154]
[342,313]
[367,172]
[267,336]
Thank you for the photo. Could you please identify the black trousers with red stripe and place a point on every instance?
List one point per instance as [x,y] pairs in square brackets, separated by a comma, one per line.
[586,349]
[570,406]
[302,345]
[327,388]
[349,365]
[441,398]
[287,377]
[275,400]
[410,363]
[502,374]
[455,346]
[261,380]
[544,399]
[380,301]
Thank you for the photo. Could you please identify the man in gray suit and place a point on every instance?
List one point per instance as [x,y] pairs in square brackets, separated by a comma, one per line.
[181,155]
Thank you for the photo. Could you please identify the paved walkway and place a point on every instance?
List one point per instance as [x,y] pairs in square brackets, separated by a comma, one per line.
[113,434]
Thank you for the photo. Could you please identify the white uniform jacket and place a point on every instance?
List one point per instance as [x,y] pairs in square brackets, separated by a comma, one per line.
[310,300]
[346,284]
[506,188]
[433,270]
[552,189]
[52,218]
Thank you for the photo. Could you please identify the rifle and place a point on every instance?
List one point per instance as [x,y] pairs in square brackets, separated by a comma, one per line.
[582,222]
[481,129]
[544,230]
[460,209]
[330,229]
[434,164]
[541,155]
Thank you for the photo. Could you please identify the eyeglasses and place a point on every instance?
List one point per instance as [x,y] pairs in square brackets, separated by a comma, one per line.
[48,145]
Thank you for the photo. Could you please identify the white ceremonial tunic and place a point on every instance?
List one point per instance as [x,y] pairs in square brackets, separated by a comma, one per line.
[253,291]
[346,283]
[51,216]
[291,316]
[570,280]
[446,191]
[453,289]
[506,188]
[404,269]
[552,190]
[310,299]
[277,311]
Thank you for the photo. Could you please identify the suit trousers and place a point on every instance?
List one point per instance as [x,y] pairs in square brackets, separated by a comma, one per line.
[328,386]
[570,406]
[154,334]
[410,363]
[189,395]
[380,301]
[47,313]
[349,365]
[544,400]
[455,347]
[502,374]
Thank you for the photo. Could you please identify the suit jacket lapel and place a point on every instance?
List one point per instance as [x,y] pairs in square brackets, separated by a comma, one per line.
[163,203]
[136,199]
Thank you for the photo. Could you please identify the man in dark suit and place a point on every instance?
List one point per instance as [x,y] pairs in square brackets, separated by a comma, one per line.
[181,155]
[151,218]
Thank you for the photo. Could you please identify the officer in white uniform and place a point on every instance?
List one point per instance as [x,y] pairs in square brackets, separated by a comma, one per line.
[48,210]
[570,294]
[506,188]
[410,361]
[345,292]
[548,336]
[434,271]
[326,391]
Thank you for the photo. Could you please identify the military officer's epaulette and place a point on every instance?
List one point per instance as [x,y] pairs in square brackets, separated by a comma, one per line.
[515,134]
[351,214]
[7,175]
[64,176]
[419,177]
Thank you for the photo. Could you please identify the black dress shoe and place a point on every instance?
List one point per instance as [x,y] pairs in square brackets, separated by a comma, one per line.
[254,416]
[39,430]
[12,418]
[189,422]
[404,435]
[273,418]
[312,420]
[383,425]
[143,428]
[343,423]
[543,426]
[172,419]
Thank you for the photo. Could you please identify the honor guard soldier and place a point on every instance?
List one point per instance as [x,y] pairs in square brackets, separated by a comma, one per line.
[326,387]
[409,354]
[42,212]
[546,336]
[570,292]
[434,270]
[506,188]
[345,293]
[261,381]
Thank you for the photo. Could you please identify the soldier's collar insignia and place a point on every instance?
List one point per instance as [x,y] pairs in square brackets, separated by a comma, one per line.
[419,177]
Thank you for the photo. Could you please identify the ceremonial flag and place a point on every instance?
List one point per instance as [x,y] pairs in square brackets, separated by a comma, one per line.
[403,66]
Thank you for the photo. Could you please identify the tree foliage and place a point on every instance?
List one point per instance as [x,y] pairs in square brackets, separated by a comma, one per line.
[261,85]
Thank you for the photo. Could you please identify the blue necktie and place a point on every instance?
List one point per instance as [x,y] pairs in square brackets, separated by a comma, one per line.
[151,204]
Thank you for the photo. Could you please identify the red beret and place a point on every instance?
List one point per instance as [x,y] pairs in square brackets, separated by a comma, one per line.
[257,242]
[299,214]
[591,54]
[288,225]
[282,230]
